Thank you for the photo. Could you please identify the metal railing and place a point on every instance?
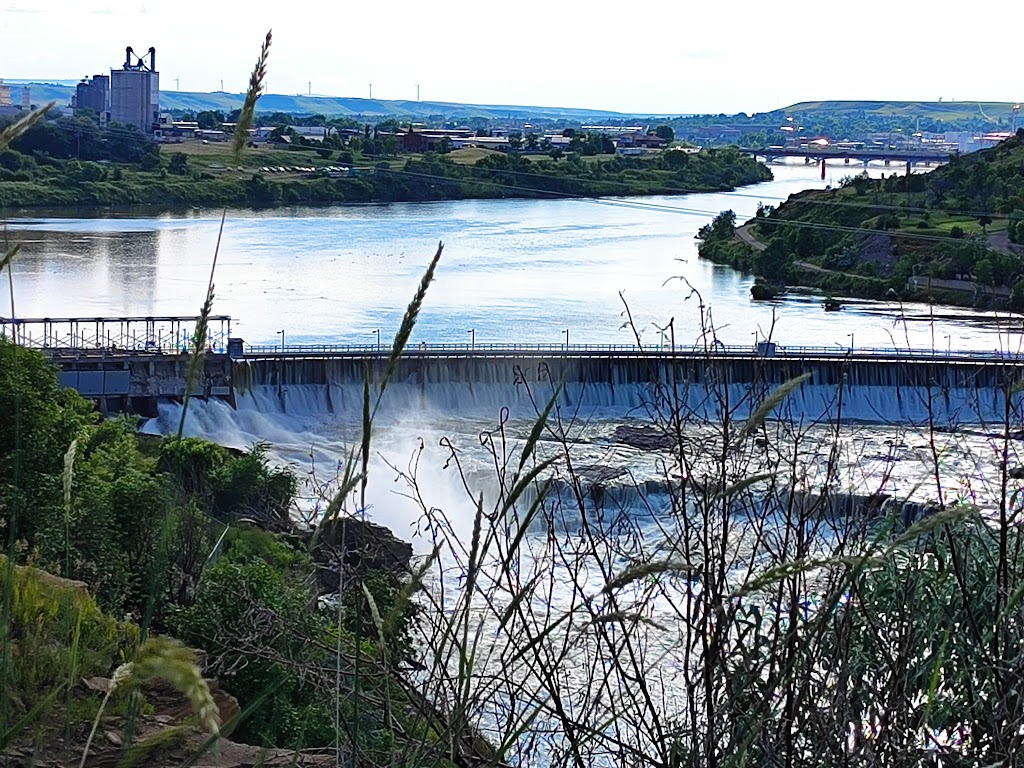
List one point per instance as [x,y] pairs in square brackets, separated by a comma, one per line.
[173,335]
[115,335]
[625,351]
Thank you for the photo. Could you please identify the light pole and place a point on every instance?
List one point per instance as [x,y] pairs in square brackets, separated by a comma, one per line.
[280,370]
[754,334]
[949,346]
[566,332]
[472,338]
[378,338]
[851,341]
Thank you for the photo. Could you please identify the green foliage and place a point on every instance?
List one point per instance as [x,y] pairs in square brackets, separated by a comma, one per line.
[246,604]
[57,634]
[140,523]
[38,421]
[873,236]
[721,228]
[665,132]
[936,607]
[178,165]
[230,485]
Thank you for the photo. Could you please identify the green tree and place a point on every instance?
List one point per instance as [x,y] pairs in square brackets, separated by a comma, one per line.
[38,421]
[210,120]
[666,132]
[983,272]
[178,165]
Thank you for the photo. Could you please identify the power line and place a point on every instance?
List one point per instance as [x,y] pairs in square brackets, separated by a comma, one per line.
[636,204]
[664,208]
[688,191]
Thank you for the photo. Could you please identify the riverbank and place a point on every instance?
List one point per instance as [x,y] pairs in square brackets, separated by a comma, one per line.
[952,236]
[273,178]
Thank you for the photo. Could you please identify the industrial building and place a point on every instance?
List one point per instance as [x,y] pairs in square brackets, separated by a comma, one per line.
[135,92]
[15,96]
[93,94]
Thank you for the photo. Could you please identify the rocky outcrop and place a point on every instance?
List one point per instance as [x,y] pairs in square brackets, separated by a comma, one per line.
[362,547]
[646,438]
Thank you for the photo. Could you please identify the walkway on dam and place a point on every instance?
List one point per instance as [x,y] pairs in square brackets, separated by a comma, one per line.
[155,337]
[626,351]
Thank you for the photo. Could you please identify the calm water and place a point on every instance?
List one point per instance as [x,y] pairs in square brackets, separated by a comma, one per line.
[513,271]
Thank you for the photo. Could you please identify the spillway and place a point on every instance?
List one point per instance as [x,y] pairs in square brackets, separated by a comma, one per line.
[944,392]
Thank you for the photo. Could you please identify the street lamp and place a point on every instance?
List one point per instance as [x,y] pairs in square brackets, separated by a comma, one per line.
[472,338]
[851,341]
[949,346]
[754,334]
[566,332]
[378,338]
[280,370]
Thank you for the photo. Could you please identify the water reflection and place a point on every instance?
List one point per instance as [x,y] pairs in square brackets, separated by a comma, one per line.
[514,271]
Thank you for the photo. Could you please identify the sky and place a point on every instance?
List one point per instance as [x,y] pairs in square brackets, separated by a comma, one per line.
[656,58]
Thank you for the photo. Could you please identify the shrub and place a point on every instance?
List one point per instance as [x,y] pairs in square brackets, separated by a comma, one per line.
[57,635]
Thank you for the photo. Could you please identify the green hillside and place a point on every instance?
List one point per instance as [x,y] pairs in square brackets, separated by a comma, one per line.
[339,106]
[936,110]
[955,234]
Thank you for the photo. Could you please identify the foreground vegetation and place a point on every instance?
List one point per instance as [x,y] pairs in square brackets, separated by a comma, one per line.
[171,536]
[955,235]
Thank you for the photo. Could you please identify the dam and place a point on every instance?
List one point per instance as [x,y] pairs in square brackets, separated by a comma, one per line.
[143,364]
[708,384]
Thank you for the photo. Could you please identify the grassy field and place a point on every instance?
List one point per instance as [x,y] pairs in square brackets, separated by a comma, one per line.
[206,156]
[939,110]
[470,155]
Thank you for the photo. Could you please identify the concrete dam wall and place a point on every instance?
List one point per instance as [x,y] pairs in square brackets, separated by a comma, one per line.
[867,389]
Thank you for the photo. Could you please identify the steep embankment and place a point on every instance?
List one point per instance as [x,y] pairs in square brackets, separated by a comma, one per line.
[953,235]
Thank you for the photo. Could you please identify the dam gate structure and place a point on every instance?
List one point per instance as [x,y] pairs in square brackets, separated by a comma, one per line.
[131,364]
[895,387]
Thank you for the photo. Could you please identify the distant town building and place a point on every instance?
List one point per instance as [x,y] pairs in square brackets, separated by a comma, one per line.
[135,92]
[15,96]
[169,130]
[93,94]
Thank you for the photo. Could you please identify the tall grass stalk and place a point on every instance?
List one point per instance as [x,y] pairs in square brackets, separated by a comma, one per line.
[252,95]
[19,127]
[197,351]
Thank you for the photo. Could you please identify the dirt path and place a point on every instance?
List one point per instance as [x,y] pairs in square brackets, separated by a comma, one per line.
[999,241]
[744,234]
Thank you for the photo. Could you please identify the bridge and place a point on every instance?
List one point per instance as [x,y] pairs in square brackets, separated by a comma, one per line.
[831,152]
[139,365]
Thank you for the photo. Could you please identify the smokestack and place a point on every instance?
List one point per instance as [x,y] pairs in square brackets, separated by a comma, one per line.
[152,59]
[128,57]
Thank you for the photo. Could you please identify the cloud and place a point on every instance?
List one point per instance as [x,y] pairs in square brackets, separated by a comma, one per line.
[16,9]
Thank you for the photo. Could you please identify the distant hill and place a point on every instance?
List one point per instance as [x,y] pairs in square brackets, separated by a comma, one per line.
[341,106]
[938,110]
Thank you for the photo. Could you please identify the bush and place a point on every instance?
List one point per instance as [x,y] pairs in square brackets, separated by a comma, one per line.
[178,165]
[57,635]
[247,605]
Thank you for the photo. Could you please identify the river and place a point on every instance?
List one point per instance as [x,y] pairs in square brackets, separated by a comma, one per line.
[518,271]
[526,271]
